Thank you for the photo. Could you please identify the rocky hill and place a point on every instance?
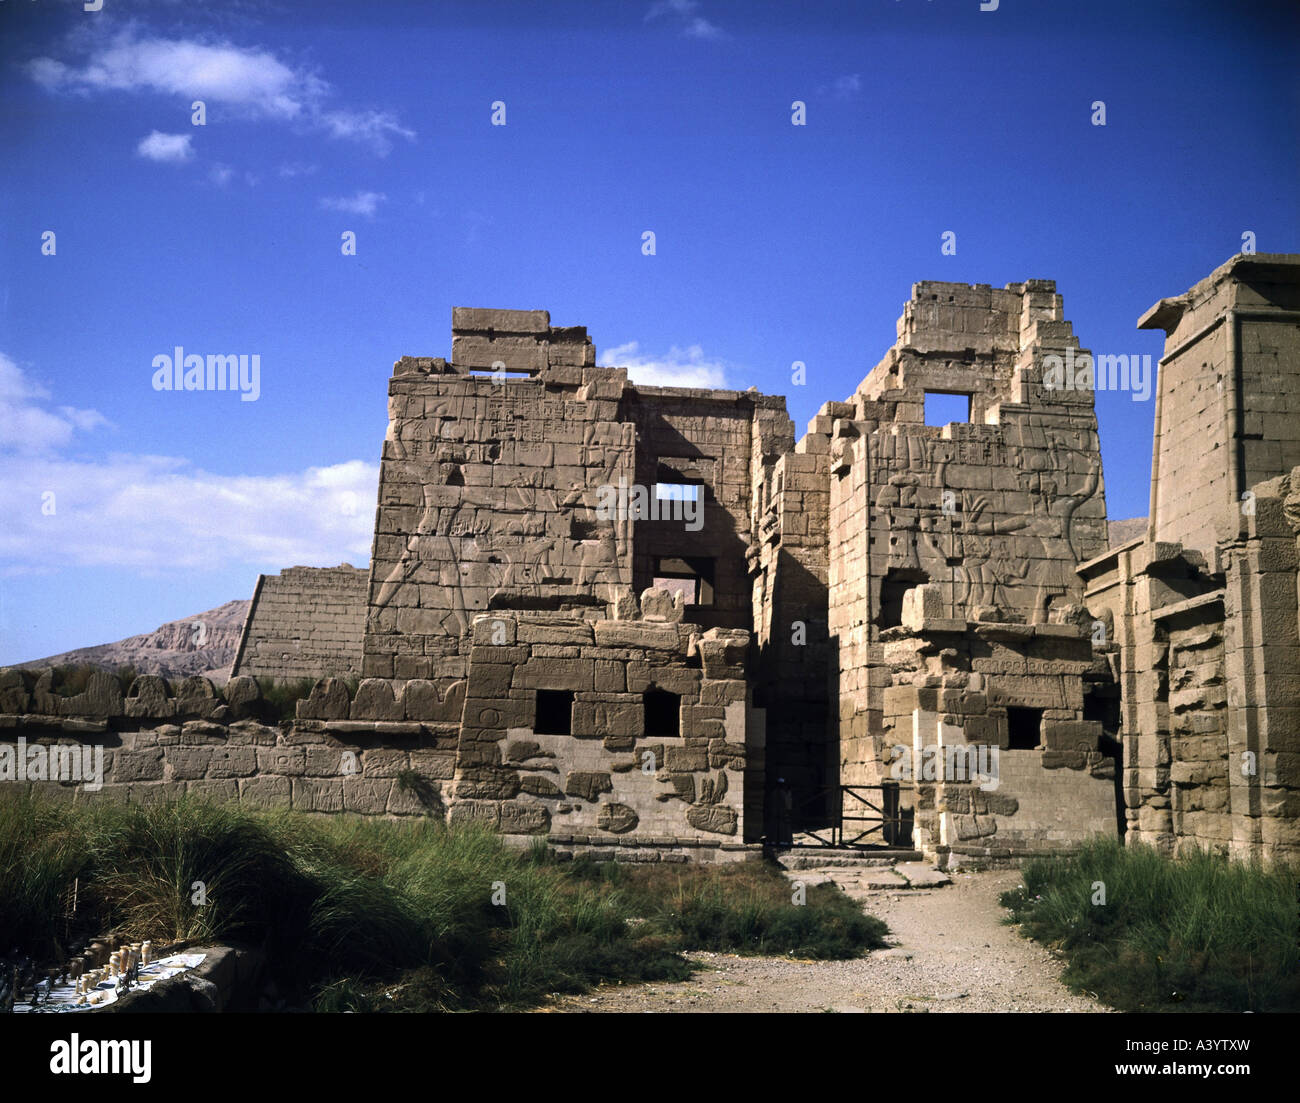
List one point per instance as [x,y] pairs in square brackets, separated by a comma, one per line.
[1121,532]
[202,644]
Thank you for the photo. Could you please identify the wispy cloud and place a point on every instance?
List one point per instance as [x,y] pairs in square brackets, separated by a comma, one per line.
[683,13]
[247,80]
[28,425]
[252,79]
[171,149]
[843,88]
[159,513]
[372,127]
[687,367]
[364,203]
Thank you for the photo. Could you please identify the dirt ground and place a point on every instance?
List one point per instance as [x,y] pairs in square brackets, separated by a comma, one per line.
[951,952]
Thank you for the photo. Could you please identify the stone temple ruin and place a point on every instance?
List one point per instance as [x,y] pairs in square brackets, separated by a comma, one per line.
[648,620]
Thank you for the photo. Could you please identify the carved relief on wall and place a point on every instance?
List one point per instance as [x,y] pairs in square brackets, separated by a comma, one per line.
[1002,552]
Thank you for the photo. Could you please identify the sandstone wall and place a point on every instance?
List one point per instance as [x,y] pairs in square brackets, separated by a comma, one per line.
[617,783]
[1228,394]
[955,684]
[223,745]
[795,651]
[614,777]
[996,512]
[305,622]
[493,478]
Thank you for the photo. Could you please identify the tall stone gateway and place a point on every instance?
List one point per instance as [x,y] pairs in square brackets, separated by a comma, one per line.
[646,621]
[569,552]
[954,612]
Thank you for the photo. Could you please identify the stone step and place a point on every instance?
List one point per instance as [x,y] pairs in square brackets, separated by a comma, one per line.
[829,857]
[920,875]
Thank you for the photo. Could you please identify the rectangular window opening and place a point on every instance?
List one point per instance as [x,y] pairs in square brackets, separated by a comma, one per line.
[663,712]
[554,712]
[692,577]
[1025,729]
[944,407]
[677,492]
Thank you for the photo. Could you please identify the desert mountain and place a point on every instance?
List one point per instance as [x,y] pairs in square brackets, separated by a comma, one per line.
[202,644]
[1121,532]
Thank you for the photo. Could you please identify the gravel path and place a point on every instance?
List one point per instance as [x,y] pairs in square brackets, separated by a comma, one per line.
[952,953]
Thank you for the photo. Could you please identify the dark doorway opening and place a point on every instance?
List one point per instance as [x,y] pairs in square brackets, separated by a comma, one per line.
[1024,729]
[663,712]
[892,588]
[554,712]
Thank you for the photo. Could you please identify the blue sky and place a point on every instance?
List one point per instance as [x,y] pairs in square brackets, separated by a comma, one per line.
[774,243]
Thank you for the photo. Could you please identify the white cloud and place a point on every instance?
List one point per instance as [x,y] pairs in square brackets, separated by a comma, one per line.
[222,174]
[247,80]
[370,127]
[252,79]
[84,420]
[679,368]
[682,13]
[27,427]
[364,203]
[172,149]
[160,513]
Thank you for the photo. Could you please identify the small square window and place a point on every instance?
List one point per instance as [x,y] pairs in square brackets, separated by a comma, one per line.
[943,408]
[663,711]
[677,492]
[554,712]
[691,577]
[1025,728]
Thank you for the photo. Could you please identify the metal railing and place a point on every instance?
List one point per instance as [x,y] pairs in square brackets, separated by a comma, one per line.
[840,816]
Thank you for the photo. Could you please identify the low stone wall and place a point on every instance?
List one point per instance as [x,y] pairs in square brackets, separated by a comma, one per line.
[470,750]
[612,777]
[158,745]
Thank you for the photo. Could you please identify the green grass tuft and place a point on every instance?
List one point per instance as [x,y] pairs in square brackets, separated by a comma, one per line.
[1196,933]
[380,915]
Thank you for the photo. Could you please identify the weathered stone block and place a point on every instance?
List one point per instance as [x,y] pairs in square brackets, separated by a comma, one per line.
[587,785]
[375,700]
[144,765]
[687,758]
[519,818]
[215,790]
[266,792]
[539,786]
[438,765]
[14,697]
[423,701]
[487,782]
[328,700]
[311,794]
[616,818]
[187,763]
[717,818]
[227,762]
[102,698]
[197,697]
[366,795]
[475,811]
[285,761]
[243,696]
